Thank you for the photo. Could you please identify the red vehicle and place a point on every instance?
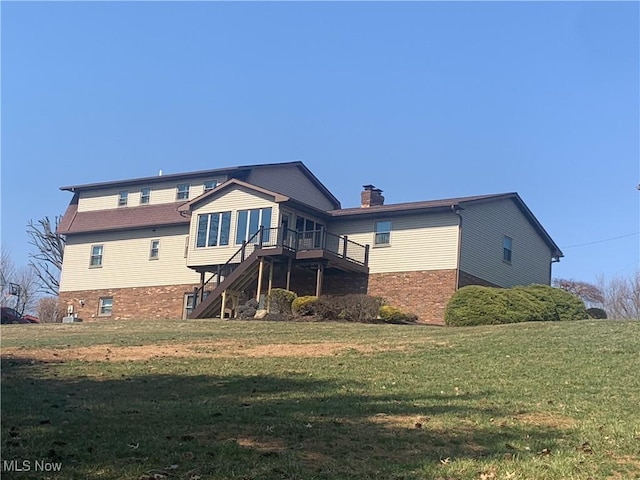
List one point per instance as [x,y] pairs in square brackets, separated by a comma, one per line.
[10,315]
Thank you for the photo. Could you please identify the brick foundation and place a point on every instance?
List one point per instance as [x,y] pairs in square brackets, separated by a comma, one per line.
[165,301]
[424,293]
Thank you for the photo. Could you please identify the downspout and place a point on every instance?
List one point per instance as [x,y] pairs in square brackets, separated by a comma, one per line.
[456,209]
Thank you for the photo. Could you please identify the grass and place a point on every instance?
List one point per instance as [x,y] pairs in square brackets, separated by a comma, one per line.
[274,400]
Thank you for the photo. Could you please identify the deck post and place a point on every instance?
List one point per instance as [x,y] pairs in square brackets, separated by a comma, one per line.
[366,255]
[260,273]
[270,276]
[319,278]
[219,270]
[201,286]
[244,248]
[224,302]
[289,273]
[344,246]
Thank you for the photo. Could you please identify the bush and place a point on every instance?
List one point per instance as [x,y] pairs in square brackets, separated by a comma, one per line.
[477,305]
[351,308]
[304,306]
[279,300]
[390,314]
[598,313]
[566,305]
[248,309]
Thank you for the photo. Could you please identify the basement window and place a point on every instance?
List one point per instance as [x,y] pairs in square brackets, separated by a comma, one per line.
[507,243]
[106,306]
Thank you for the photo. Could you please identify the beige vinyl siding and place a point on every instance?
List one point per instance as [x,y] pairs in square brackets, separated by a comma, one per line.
[231,200]
[484,226]
[418,242]
[160,193]
[125,260]
[292,182]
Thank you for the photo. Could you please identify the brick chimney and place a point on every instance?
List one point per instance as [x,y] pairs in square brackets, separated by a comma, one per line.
[371,197]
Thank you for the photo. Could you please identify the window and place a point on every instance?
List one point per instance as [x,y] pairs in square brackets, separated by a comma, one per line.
[189,301]
[123,198]
[213,229]
[182,192]
[154,252]
[309,233]
[210,185]
[145,196]
[96,256]
[106,306]
[383,233]
[506,248]
[250,221]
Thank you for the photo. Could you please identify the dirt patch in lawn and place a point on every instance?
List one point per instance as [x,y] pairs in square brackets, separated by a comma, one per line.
[115,353]
[540,419]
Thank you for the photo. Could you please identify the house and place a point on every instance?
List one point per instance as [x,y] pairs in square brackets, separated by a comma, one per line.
[195,245]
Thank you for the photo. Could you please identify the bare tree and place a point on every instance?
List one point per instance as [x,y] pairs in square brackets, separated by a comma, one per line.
[622,296]
[7,274]
[588,292]
[47,261]
[50,310]
[28,288]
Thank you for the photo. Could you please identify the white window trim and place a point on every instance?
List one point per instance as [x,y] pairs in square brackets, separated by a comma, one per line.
[376,233]
[142,195]
[219,233]
[215,184]
[188,191]
[157,250]
[246,230]
[101,306]
[123,198]
[91,256]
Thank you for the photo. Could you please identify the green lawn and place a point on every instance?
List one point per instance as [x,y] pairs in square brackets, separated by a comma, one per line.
[275,400]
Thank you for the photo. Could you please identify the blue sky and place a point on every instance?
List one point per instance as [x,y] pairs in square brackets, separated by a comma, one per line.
[425,100]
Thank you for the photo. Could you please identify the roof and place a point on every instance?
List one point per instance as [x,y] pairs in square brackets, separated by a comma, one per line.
[278,197]
[413,207]
[449,204]
[164,214]
[240,172]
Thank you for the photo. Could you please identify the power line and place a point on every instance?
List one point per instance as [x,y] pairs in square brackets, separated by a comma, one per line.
[603,240]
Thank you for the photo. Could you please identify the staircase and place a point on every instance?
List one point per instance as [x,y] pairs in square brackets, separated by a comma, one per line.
[230,288]
[242,269]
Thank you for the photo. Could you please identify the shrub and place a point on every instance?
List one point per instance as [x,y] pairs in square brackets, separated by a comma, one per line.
[351,308]
[390,314]
[566,305]
[476,305]
[248,309]
[280,300]
[598,313]
[304,306]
